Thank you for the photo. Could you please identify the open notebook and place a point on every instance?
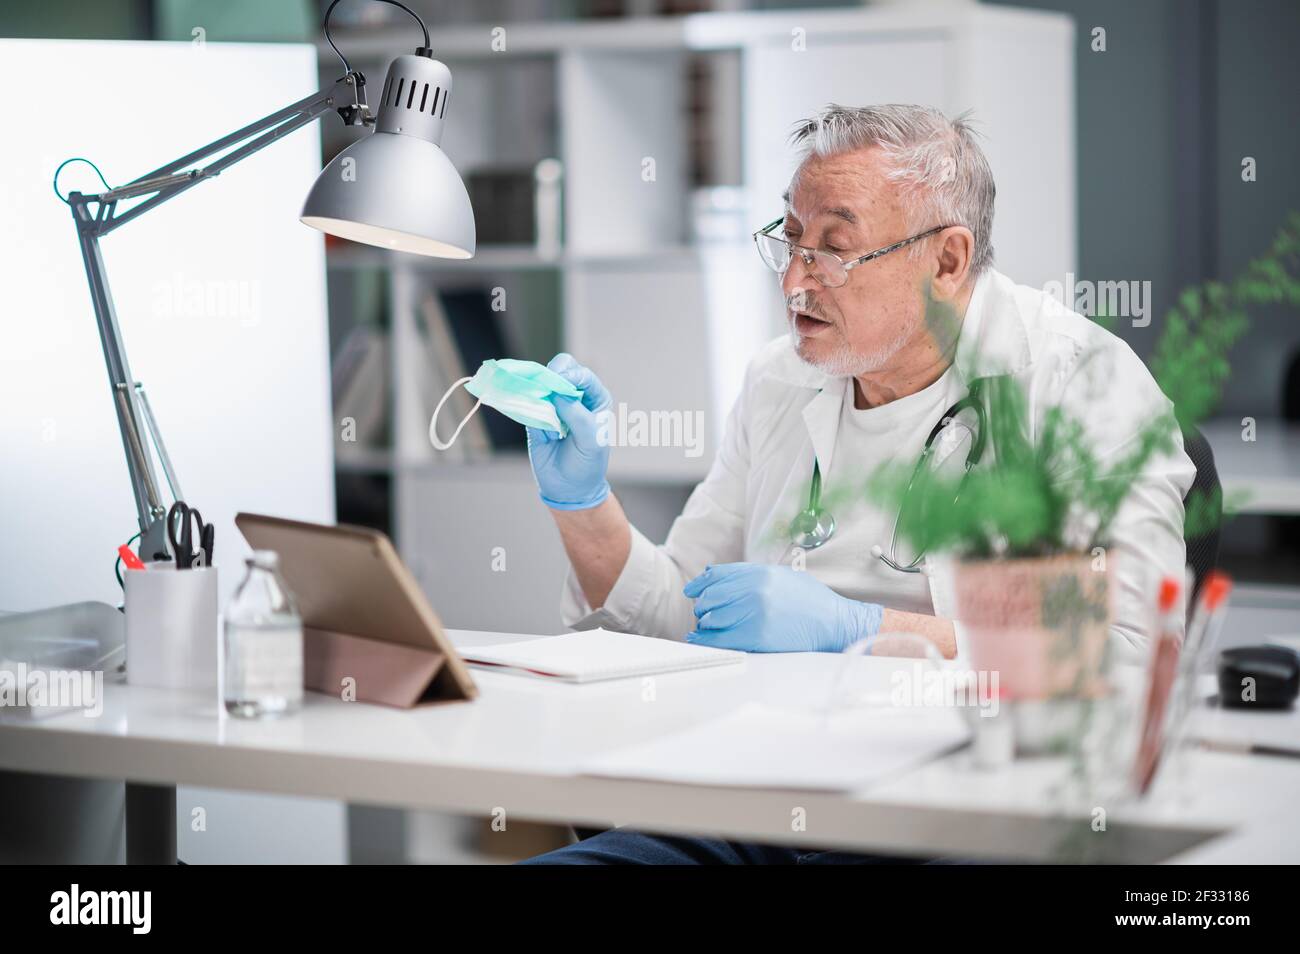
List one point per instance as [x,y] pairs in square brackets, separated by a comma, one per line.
[597,654]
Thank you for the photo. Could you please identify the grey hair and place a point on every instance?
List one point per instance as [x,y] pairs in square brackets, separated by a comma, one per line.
[944,174]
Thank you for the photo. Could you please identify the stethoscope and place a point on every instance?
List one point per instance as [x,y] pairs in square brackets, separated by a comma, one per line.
[814,525]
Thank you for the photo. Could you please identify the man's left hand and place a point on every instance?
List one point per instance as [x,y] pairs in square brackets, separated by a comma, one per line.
[760,608]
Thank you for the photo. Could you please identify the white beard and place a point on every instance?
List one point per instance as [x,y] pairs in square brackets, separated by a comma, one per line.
[844,362]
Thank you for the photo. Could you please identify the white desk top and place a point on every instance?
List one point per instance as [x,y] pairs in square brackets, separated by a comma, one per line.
[1267,469]
[516,745]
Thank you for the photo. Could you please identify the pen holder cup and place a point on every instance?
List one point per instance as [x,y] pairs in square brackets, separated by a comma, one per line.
[171,627]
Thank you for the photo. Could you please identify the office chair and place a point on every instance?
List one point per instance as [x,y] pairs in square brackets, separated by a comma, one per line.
[1287,526]
[1203,548]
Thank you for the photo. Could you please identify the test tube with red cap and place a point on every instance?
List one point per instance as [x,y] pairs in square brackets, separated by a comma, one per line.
[1202,636]
[1164,666]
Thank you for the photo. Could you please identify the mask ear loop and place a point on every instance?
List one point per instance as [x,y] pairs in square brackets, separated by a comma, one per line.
[433,421]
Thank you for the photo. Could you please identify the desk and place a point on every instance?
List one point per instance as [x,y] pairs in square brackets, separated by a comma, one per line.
[516,746]
[1267,469]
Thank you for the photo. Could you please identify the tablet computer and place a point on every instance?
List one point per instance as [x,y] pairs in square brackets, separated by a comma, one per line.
[366,623]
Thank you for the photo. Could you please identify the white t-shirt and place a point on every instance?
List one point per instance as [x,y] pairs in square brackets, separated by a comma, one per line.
[866,439]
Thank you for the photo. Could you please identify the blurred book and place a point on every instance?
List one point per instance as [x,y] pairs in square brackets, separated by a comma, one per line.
[359,382]
[478,336]
[445,368]
[504,205]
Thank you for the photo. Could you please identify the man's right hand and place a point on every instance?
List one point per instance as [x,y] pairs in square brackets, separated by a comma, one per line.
[570,471]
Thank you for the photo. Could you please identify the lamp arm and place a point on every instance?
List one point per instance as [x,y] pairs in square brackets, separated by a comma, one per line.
[134,418]
[347,95]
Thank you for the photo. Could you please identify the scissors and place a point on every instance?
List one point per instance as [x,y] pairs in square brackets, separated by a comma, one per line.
[179,520]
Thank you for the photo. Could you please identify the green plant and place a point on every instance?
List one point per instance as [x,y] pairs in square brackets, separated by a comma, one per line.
[1060,493]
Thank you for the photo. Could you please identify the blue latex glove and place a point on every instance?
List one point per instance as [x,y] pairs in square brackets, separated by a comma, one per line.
[760,608]
[570,471]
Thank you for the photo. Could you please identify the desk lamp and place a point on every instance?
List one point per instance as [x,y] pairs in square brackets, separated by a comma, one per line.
[394,188]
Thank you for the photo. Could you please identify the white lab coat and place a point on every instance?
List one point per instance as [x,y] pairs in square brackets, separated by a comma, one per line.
[787,411]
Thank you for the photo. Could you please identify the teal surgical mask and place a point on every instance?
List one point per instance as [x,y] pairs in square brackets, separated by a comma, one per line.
[523,391]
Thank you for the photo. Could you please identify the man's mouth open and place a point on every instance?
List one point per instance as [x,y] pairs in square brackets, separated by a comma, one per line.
[809,326]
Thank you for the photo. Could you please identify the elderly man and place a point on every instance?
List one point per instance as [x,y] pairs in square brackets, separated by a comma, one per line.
[887,222]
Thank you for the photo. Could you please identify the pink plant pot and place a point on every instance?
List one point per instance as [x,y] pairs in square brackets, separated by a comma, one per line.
[1041,623]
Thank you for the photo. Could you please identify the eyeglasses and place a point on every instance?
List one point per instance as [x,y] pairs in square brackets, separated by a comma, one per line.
[829,269]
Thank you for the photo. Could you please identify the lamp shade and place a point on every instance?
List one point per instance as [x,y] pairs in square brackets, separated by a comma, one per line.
[396,188]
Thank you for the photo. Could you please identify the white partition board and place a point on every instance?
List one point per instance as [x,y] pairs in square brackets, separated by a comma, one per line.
[220,295]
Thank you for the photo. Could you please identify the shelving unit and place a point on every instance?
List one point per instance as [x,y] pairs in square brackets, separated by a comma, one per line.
[668,319]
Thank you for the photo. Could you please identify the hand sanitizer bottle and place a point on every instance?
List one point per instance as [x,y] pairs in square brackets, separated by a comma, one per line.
[263,651]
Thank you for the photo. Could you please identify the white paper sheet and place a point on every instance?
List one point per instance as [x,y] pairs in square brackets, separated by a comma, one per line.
[597,654]
[765,746]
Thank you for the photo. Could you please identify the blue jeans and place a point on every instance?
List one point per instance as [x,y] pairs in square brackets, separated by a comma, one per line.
[620,846]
